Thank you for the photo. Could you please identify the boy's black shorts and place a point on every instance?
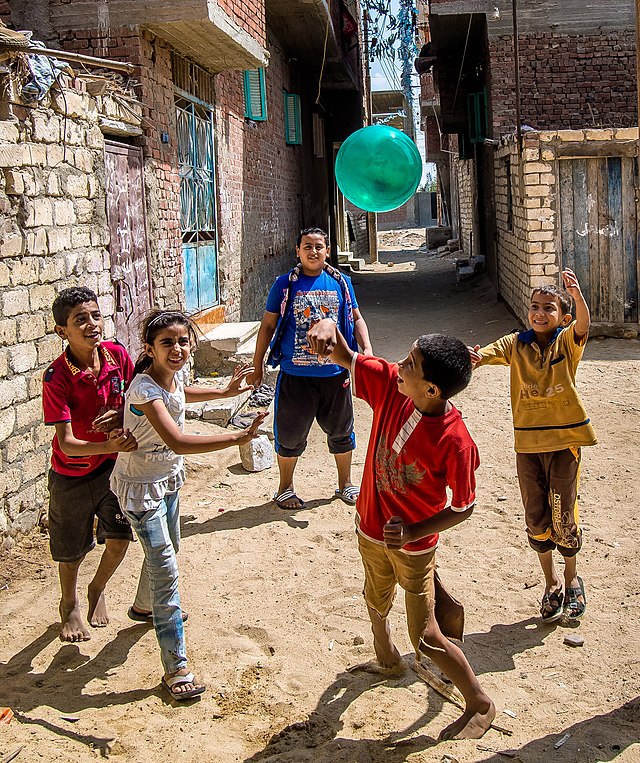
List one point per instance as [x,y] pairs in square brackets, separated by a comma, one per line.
[301,399]
[74,503]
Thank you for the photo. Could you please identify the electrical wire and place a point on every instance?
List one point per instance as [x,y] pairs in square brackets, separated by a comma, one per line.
[464,53]
[324,56]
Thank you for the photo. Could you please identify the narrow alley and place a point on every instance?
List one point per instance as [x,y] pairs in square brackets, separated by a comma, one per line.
[275,605]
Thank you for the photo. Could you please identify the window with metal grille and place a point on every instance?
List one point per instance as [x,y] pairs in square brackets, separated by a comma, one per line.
[255,97]
[292,119]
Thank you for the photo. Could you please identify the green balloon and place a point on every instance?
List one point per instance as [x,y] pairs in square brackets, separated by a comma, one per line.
[378,168]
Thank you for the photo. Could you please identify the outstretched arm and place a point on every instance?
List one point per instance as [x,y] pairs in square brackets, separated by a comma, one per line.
[325,340]
[235,387]
[119,441]
[361,333]
[583,319]
[265,335]
[184,444]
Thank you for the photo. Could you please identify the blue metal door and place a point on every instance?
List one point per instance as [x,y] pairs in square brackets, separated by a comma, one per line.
[196,158]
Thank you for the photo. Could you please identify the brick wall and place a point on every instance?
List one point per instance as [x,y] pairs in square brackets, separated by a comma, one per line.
[53,235]
[567,81]
[467,206]
[162,184]
[402,217]
[249,15]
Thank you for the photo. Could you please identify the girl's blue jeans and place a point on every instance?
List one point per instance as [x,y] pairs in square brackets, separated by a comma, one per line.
[159,533]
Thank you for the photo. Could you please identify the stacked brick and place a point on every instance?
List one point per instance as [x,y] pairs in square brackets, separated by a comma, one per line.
[53,234]
[566,81]
[248,15]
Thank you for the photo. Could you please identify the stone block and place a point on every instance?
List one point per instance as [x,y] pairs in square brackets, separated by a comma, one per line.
[56,155]
[4,275]
[76,185]
[602,134]
[23,357]
[35,242]
[80,237]
[10,480]
[13,156]
[85,211]
[23,500]
[8,333]
[51,270]
[38,212]
[14,302]
[30,327]
[12,391]
[83,159]
[48,348]
[257,455]
[539,167]
[41,297]
[537,190]
[14,182]
[17,446]
[45,129]
[58,239]
[570,136]
[34,466]
[26,520]
[221,411]
[7,422]
[4,366]
[626,133]
[29,414]
[64,212]
[9,131]
[12,245]
[53,185]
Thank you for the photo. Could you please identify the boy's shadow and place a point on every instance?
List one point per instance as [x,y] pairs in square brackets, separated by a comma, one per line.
[251,516]
[493,651]
[315,737]
[61,685]
[595,740]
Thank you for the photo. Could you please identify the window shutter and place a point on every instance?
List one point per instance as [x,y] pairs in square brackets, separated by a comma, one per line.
[292,119]
[318,136]
[255,101]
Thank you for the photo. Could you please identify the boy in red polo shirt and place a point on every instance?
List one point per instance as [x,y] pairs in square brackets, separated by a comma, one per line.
[418,447]
[82,397]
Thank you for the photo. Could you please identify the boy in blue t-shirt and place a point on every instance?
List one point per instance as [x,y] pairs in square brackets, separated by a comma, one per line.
[308,388]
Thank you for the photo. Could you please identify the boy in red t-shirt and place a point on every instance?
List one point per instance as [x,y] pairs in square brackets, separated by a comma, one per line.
[418,447]
[83,398]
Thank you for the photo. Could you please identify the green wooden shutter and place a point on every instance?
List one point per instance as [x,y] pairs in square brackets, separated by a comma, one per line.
[478,116]
[255,100]
[292,119]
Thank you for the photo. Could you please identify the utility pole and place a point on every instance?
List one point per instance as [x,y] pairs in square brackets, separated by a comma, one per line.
[638,62]
[372,220]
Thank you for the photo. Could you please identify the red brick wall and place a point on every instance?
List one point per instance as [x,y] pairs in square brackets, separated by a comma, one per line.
[249,15]
[567,81]
[162,183]
[261,190]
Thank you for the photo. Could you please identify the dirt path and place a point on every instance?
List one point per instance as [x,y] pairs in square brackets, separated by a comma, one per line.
[276,614]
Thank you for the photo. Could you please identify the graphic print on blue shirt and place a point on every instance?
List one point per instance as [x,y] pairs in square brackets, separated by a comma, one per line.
[309,307]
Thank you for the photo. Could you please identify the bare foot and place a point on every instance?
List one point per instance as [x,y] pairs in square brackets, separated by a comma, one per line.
[73,629]
[470,725]
[97,614]
[395,670]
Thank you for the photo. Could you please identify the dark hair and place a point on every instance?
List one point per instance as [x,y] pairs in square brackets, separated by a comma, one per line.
[154,322]
[312,232]
[445,362]
[564,298]
[64,303]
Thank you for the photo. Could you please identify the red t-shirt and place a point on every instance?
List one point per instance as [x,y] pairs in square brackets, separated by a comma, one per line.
[412,459]
[69,394]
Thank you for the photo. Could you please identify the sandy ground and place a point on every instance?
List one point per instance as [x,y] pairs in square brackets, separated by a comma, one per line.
[276,614]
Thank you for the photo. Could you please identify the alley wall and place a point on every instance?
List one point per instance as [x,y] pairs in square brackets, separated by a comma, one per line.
[53,234]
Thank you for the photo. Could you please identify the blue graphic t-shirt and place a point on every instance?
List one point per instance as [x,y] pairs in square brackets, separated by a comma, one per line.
[312,298]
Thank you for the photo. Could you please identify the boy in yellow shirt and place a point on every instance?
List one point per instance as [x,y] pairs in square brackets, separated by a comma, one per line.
[551,426]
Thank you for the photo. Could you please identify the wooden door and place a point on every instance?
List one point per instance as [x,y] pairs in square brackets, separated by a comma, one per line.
[599,233]
[130,270]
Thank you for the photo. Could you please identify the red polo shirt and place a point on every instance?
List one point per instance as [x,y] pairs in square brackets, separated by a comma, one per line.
[69,394]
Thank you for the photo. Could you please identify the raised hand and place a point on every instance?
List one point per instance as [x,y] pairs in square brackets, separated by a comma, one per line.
[571,283]
[241,373]
[475,354]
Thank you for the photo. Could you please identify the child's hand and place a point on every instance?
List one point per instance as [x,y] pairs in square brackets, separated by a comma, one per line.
[475,354]
[122,441]
[108,420]
[240,374]
[251,432]
[394,533]
[322,338]
[571,283]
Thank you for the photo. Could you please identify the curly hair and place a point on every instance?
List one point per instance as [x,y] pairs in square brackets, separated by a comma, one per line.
[445,362]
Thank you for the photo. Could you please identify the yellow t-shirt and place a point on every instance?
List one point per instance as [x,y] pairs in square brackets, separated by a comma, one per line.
[547,411]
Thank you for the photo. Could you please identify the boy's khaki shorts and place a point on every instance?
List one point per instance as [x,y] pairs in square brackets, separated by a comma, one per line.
[384,568]
[549,488]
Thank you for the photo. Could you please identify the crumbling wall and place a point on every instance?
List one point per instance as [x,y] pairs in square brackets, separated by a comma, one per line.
[53,234]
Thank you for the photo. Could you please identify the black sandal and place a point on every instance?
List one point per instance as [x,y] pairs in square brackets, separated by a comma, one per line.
[575,602]
[551,607]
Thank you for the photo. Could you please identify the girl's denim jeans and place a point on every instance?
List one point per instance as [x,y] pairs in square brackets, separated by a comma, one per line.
[159,533]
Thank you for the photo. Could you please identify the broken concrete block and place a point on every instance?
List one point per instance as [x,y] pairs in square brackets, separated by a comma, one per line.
[257,454]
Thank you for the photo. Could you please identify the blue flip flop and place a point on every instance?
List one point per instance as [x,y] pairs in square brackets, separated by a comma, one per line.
[348,494]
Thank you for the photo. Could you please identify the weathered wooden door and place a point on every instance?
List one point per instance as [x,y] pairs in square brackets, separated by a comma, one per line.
[196,157]
[599,233]
[130,271]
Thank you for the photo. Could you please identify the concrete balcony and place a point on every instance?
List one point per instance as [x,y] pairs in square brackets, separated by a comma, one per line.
[198,29]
